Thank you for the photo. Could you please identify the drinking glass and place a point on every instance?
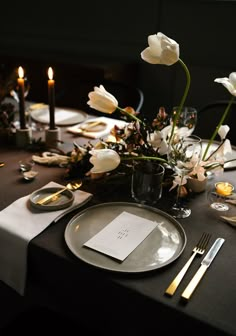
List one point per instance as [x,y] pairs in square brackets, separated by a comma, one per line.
[186,119]
[147,179]
[183,155]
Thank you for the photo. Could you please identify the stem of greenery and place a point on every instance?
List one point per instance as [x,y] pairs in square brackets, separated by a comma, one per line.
[129,114]
[188,77]
[217,127]
[143,158]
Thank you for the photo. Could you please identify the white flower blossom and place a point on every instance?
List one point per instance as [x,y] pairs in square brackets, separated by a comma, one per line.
[229,83]
[104,160]
[102,100]
[161,50]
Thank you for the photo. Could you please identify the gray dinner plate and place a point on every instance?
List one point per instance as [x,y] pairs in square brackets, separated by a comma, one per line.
[164,245]
[63,116]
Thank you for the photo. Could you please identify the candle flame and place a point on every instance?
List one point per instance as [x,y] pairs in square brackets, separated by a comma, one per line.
[21,72]
[50,73]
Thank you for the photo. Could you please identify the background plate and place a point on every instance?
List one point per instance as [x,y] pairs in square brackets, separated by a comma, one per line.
[63,116]
[161,247]
[65,200]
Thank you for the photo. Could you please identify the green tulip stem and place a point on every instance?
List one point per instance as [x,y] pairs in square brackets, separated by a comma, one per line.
[143,158]
[129,115]
[218,126]
[188,77]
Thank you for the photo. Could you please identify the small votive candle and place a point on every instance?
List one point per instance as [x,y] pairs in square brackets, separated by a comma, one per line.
[224,188]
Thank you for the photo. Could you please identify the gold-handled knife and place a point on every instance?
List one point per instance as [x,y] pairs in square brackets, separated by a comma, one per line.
[201,271]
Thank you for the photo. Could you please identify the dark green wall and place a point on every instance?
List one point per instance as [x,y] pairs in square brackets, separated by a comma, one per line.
[110,36]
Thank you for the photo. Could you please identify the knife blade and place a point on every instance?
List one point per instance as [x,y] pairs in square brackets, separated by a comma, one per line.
[202,269]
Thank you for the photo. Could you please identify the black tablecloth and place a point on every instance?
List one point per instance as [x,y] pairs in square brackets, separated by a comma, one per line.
[59,280]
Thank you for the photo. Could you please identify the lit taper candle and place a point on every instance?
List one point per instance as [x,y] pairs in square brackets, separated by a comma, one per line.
[21,95]
[51,99]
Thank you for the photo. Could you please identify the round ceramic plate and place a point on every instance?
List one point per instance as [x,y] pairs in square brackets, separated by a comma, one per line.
[63,116]
[62,201]
[165,243]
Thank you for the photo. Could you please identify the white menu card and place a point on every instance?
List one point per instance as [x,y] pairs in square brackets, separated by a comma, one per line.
[122,235]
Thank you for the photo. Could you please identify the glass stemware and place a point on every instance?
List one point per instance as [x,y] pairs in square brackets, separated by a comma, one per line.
[187,119]
[183,155]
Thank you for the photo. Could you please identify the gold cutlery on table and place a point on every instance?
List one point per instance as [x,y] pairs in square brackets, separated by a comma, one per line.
[37,106]
[201,271]
[92,126]
[70,186]
[199,249]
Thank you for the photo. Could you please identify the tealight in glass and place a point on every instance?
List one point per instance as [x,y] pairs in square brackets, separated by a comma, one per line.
[26,169]
[26,165]
[220,195]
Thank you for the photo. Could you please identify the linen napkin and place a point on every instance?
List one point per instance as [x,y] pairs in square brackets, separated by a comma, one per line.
[109,122]
[18,225]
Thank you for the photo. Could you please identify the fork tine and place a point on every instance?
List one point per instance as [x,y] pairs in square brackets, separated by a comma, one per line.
[208,236]
[202,244]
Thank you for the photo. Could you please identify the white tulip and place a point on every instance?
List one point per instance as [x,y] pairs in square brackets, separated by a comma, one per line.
[161,50]
[101,100]
[229,83]
[104,160]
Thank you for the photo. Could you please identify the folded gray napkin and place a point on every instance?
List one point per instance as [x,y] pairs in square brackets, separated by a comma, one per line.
[18,225]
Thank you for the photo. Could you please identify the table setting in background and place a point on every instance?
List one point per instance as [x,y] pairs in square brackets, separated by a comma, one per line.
[104,207]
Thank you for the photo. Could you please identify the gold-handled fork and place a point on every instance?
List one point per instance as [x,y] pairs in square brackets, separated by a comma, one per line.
[70,186]
[199,249]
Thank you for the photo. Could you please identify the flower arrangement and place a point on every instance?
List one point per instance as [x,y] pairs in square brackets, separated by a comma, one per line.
[138,140]
[142,140]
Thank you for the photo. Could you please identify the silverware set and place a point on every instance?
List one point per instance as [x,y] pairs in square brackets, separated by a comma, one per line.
[198,250]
